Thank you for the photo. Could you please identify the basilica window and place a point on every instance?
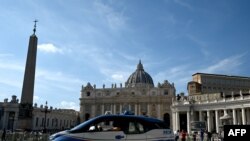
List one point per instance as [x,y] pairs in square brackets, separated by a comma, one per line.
[88,93]
[47,122]
[166,92]
[107,93]
[37,119]
[143,92]
[98,110]
[153,93]
[42,122]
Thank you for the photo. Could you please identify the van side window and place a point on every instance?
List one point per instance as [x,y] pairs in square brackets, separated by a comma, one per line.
[135,128]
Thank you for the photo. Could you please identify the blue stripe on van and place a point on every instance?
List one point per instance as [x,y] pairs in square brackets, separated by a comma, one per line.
[69,138]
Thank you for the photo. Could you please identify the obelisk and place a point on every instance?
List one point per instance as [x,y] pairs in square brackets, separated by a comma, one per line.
[26,108]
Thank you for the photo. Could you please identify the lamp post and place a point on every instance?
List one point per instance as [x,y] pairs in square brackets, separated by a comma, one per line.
[45,110]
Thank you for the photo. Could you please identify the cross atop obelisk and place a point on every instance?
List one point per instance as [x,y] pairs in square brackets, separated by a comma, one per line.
[34,30]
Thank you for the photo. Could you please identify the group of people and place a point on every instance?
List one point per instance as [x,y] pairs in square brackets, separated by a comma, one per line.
[183,135]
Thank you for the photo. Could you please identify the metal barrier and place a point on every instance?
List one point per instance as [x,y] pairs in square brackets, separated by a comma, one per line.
[190,138]
[26,137]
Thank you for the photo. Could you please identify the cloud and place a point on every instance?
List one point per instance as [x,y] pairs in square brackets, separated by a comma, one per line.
[118,77]
[11,82]
[8,64]
[184,4]
[57,79]
[49,48]
[201,44]
[114,19]
[6,55]
[11,72]
[69,105]
[227,65]
[172,73]
[37,99]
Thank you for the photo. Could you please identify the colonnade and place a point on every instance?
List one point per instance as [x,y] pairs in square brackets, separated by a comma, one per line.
[212,117]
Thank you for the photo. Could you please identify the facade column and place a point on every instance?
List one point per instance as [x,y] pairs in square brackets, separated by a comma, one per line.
[93,110]
[174,121]
[111,108]
[200,116]
[188,122]
[246,113]
[16,120]
[5,119]
[248,116]
[114,106]
[217,121]
[129,107]
[208,121]
[159,112]
[243,116]
[234,117]
[120,108]
[139,110]
[136,108]
[177,120]
[149,110]
[238,117]
[103,109]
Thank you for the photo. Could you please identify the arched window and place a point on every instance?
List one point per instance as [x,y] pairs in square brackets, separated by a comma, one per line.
[166,119]
[88,93]
[87,116]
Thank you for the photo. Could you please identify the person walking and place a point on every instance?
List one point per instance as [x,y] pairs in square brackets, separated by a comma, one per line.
[201,134]
[177,135]
[194,136]
[209,136]
[183,135]
[4,135]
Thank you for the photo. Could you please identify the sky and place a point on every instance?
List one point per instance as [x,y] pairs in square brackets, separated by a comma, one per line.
[102,41]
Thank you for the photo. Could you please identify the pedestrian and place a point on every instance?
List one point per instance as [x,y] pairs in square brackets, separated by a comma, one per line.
[177,135]
[201,134]
[183,135]
[4,135]
[194,136]
[209,136]
[221,135]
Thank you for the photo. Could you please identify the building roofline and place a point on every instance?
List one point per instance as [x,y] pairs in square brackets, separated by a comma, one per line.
[233,76]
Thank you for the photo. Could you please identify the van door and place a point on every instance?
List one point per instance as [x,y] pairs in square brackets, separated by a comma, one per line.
[106,129]
[135,132]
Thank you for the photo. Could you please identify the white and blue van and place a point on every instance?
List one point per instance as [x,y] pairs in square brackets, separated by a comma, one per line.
[117,127]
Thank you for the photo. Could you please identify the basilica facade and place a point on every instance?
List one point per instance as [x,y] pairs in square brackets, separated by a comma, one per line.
[139,95]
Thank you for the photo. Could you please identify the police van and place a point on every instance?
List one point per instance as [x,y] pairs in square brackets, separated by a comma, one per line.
[117,127]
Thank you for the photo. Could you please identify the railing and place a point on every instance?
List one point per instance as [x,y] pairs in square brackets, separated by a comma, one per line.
[26,137]
[205,98]
[215,137]
[44,137]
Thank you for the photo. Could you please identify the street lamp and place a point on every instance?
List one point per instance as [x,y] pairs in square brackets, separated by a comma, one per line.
[45,110]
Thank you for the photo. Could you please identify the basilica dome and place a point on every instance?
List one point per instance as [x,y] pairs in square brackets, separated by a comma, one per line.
[140,78]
